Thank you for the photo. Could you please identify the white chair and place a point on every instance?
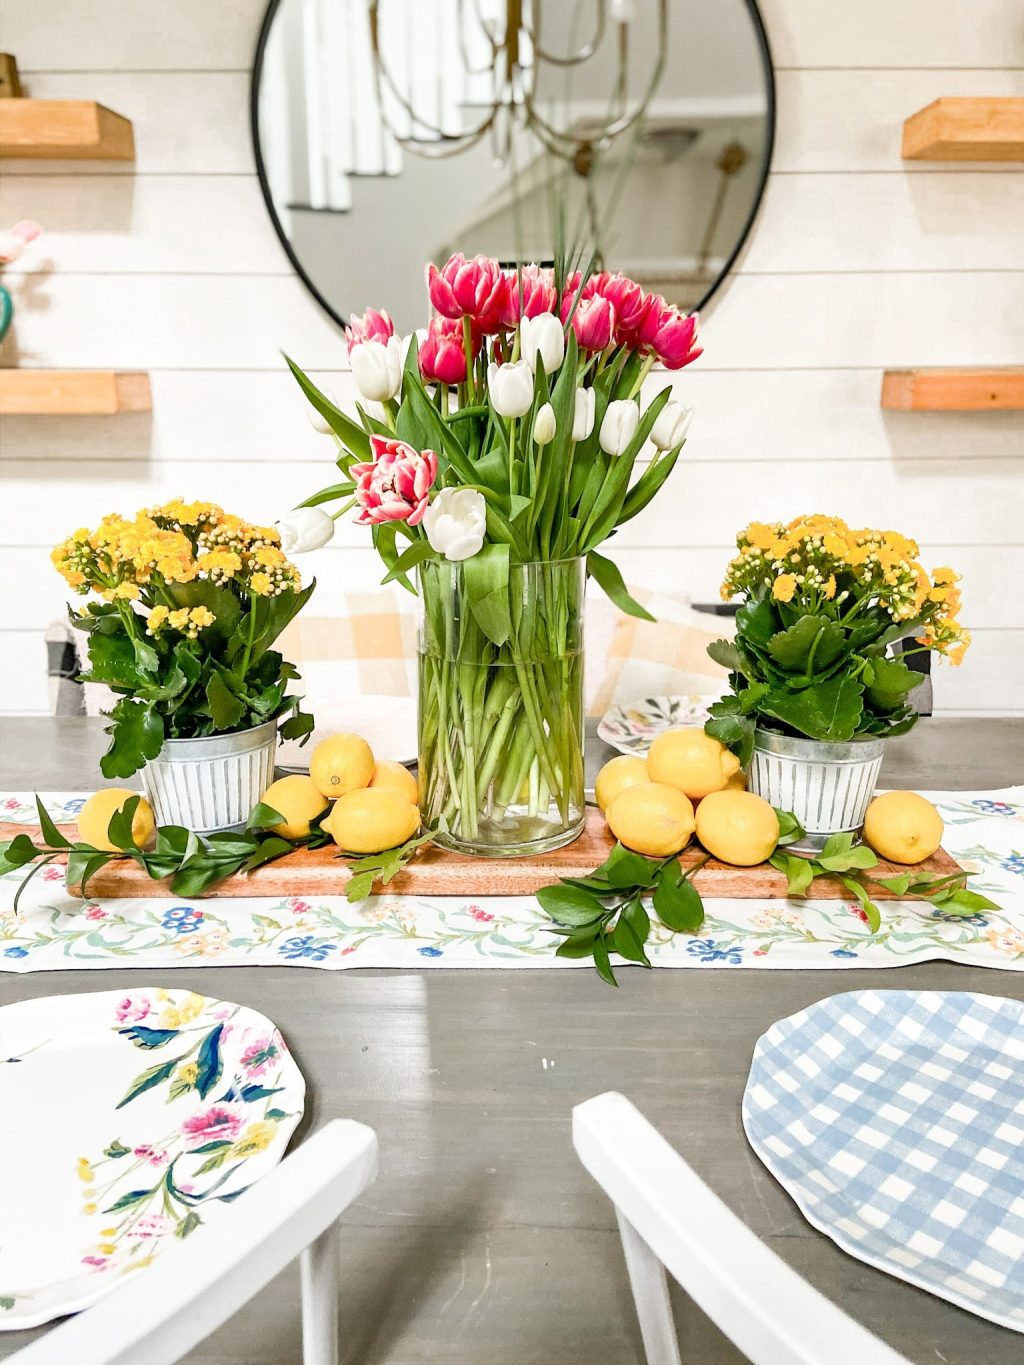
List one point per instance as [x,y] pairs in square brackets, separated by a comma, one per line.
[197,1285]
[669,1218]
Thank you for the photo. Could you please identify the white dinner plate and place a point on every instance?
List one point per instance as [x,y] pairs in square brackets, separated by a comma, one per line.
[632,726]
[895,1119]
[388,724]
[127,1119]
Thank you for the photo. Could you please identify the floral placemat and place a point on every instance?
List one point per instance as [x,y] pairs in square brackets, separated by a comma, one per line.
[53,932]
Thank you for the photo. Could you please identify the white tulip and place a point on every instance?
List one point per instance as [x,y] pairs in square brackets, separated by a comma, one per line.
[307,528]
[583,416]
[510,387]
[544,425]
[672,424]
[455,522]
[316,420]
[543,336]
[621,419]
[377,368]
[375,410]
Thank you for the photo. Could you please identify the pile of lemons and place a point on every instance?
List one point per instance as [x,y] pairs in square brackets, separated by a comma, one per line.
[690,784]
[374,802]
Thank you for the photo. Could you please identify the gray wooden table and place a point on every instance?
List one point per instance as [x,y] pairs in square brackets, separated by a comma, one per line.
[483,1242]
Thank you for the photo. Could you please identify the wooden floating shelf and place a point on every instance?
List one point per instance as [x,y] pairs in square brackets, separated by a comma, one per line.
[960,390]
[98,393]
[65,129]
[966,129]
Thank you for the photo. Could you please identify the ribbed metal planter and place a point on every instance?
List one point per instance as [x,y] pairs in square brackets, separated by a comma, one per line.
[826,786]
[212,783]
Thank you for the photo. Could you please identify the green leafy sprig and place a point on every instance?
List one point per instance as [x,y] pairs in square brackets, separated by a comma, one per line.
[604,912]
[850,864]
[194,863]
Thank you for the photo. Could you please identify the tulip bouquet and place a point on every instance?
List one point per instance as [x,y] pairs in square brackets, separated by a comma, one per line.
[494,453]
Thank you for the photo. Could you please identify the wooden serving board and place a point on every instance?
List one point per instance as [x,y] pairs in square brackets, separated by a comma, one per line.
[435,872]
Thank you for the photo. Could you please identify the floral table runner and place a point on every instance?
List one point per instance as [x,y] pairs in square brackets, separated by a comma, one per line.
[53,932]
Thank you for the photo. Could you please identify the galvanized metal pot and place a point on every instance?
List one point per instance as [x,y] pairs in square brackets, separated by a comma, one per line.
[212,783]
[826,786]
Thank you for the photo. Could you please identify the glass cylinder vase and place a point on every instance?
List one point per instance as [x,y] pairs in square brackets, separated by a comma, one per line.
[501,725]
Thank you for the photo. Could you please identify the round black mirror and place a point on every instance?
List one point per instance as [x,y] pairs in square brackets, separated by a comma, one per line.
[387,135]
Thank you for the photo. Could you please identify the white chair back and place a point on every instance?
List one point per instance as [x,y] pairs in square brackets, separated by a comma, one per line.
[669,1218]
[159,1316]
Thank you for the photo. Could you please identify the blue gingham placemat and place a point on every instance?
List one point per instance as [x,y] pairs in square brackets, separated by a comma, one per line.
[895,1120]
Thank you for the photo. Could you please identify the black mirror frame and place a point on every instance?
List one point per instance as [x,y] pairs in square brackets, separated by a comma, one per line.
[261,170]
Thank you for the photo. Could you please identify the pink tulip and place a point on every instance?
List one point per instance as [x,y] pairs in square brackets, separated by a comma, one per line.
[594,323]
[670,334]
[630,302]
[395,484]
[442,355]
[14,241]
[569,291]
[372,326]
[539,294]
[476,289]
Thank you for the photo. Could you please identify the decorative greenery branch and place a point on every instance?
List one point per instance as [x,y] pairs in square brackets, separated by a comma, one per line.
[193,863]
[851,864]
[605,912]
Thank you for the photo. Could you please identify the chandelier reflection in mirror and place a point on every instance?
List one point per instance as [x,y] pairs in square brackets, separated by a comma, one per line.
[393,131]
[498,48]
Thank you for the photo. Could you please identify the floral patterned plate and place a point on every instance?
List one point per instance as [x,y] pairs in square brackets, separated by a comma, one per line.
[128,1120]
[631,726]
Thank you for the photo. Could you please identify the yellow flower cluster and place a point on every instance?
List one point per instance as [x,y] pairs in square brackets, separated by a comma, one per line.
[817,559]
[176,542]
[188,620]
[273,573]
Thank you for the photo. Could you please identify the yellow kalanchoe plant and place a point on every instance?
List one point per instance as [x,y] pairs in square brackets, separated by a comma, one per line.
[823,604]
[192,599]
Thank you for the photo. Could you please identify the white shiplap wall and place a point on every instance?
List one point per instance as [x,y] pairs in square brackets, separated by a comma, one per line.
[858,262]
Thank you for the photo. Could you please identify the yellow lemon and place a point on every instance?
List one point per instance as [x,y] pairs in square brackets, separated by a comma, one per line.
[651,819]
[737,783]
[340,764]
[299,800]
[616,775]
[693,762]
[372,820]
[94,817]
[903,827]
[388,773]
[737,827]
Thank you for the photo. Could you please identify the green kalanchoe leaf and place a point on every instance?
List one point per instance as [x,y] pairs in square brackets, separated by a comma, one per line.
[812,642]
[888,682]
[828,710]
[136,734]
